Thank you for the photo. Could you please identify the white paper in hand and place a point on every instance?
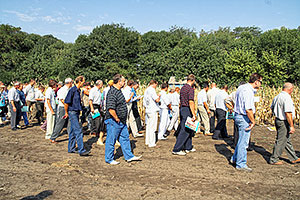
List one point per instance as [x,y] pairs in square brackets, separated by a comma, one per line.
[192,125]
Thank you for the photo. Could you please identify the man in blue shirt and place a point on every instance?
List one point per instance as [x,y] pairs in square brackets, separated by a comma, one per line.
[244,119]
[73,107]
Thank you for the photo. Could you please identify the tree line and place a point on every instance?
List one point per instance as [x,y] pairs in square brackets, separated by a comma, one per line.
[226,56]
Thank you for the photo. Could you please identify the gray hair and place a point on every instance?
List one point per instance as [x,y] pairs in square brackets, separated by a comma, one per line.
[99,82]
[287,85]
[68,80]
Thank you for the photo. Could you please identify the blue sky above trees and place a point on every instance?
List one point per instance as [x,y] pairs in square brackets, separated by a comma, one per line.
[68,18]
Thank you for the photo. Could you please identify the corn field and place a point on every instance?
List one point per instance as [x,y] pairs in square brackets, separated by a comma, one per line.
[263,114]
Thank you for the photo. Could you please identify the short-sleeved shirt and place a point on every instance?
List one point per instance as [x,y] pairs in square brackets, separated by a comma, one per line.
[116,101]
[95,96]
[149,100]
[220,98]
[13,95]
[174,99]
[164,100]
[73,99]
[282,104]
[186,94]
[61,95]
[202,97]
[50,94]
[127,92]
[39,95]
[244,99]
[29,91]
[211,95]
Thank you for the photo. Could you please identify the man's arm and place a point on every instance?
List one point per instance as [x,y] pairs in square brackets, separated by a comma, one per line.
[50,107]
[13,105]
[192,107]
[113,113]
[91,105]
[206,107]
[289,118]
[251,118]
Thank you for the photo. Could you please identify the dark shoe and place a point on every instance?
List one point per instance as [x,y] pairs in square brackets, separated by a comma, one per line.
[53,141]
[277,163]
[14,129]
[86,153]
[250,149]
[167,133]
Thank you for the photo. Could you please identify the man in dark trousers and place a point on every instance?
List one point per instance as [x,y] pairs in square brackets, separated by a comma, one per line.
[183,143]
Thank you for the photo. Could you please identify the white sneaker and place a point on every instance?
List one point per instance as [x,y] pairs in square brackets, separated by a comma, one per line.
[192,150]
[180,153]
[150,146]
[114,162]
[134,158]
[247,169]
[138,135]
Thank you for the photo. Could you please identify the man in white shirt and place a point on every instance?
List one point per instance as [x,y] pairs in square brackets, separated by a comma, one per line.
[221,109]
[50,105]
[211,95]
[284,110]
[105,91]
[29,92]
[15,106]
[150,102]
[203,109]
[175,101]
[131,123]
[164,112]
[95,101]
[40,103]
[60,122]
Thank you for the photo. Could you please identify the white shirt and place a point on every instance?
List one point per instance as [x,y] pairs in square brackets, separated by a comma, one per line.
[13,95]
[220,98]
[95,95]
[127,92]
[164,100]
[149,100]
[39,94]
[105,91]
[174,99]
[61,95]
[244,99]
[202,97]
[30,93]
[50,94]
[211,95]
[282,104]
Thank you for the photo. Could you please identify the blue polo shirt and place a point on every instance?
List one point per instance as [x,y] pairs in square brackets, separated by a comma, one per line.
[73,99]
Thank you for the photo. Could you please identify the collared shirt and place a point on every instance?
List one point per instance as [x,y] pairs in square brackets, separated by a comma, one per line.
[50,94]
[61,95]
[13,95]
[186,94]
[202,97]
[39,95]
[127,93]
[164,100]
[73,99]
[244,99]
[149,100]
[30,93]
[220,98]
[3,98]
[211,95]
[116,101]
[174,99]
[95,96]
[282,104]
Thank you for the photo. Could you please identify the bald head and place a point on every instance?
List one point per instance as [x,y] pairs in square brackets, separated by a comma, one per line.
[288,87]
[212,85]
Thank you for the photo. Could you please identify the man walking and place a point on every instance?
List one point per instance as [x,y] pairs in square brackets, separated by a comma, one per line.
[164,112]
[203,109]
[183,143]
[150,102]
[244,119]
[60,112]
[116,117]
[50,105]
[29,92]
[73,107]
[175,101]
[284,111]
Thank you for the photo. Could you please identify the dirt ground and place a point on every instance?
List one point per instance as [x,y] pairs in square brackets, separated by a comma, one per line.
[33,168]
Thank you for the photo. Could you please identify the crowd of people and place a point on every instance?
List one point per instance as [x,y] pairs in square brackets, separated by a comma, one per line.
[114,111]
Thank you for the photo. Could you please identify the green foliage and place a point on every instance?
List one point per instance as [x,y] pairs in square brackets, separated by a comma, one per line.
[224,56]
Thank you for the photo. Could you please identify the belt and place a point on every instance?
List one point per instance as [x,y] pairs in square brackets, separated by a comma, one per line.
[200,104]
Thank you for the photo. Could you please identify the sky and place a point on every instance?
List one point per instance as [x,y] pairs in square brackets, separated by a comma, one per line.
[67,19]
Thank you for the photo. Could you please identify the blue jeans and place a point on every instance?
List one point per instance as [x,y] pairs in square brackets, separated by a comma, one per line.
[75,134]
[117,131]
[240,153]
[24,115]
